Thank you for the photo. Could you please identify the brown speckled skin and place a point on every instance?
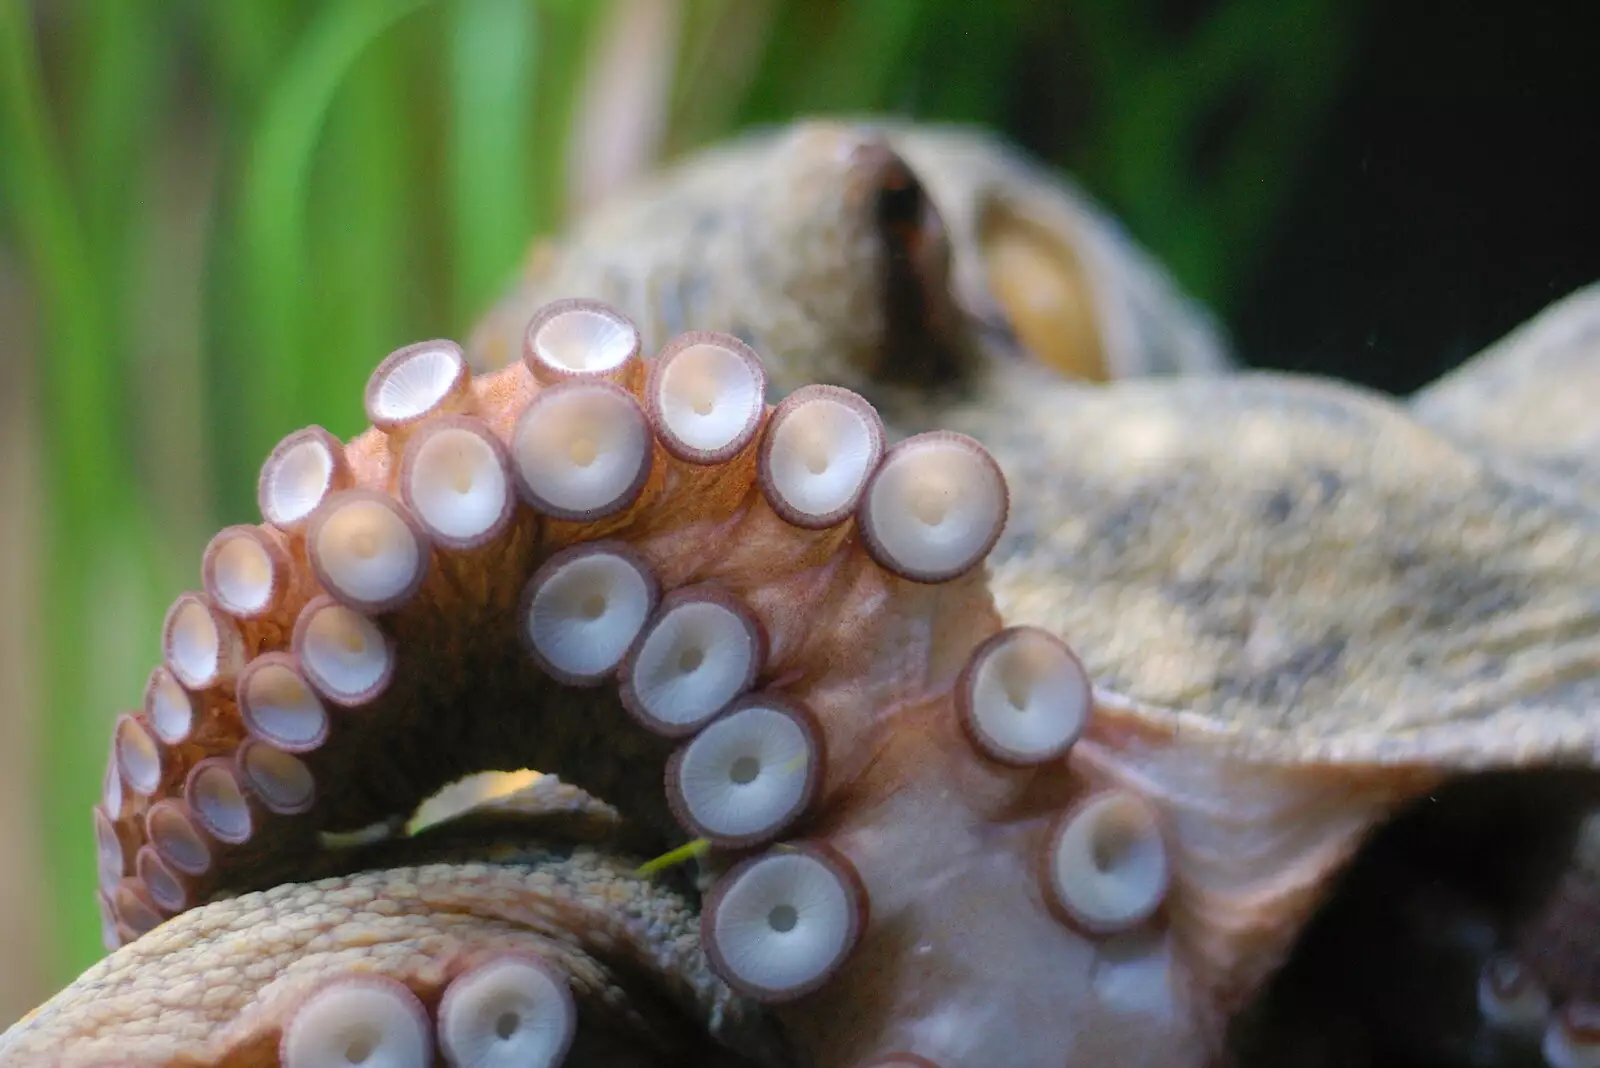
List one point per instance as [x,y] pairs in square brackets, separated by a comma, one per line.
[1306,612]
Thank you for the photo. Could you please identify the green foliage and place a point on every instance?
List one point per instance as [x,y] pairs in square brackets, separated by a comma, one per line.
[230,211]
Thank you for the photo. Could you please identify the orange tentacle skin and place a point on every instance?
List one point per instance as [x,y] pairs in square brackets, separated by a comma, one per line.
[766,627]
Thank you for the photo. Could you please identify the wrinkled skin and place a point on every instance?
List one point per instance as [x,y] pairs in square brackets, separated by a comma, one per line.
[1343,649]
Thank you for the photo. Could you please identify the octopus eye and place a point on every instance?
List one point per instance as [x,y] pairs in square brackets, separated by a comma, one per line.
[748,775]
[706,393]
[822,445]
[341,653]
[1024,698]
[366,551]
[702,650]
[778,926]
[1572,1038]
[581,450]
[585,607]
[415,382]
[302,471]
[1509,995]
[456,479]
[579,339]
[1106,866]
[277,704]
[934,508]
[369,1021]
[510,1012]
[901,201]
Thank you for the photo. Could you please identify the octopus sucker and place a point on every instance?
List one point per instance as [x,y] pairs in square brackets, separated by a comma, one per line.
[508,1011]
[749,774]
[778,926]
[362,1019]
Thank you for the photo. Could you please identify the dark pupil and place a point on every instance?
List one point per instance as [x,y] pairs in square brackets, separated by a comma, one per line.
[900,200]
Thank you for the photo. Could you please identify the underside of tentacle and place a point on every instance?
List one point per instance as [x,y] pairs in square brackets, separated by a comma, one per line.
[768,629]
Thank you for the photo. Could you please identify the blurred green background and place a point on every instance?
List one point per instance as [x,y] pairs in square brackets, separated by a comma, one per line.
[217,215]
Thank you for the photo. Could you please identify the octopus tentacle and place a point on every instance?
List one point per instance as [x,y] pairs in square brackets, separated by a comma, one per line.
[557,953]
[734,621]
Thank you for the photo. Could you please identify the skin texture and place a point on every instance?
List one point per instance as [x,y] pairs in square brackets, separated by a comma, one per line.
[887,258]
[1336,656]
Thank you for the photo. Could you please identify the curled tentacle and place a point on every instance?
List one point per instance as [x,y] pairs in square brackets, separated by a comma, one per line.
[632,572]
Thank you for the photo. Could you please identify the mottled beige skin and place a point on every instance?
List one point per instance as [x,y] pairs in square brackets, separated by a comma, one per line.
[1303,609]
[772,238]
[214,985]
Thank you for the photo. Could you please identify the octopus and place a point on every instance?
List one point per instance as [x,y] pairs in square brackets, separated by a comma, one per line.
[895,705]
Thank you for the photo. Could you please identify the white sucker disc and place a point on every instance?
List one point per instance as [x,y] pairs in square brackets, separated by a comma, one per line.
[507,1013]
[1109,867]
[583,340]
[783,923]
[296,478]
[1510,997]
[695,658]
[358,1023]
[344,652]
[169,708]
[708,397]
[281,707]
[243,575]
[1572,1036]
[586,613]
[414,384]
[367,552]
[581,449]
[820,454]
[457,483]
[935,507]
[194,643]
[1029,697]
[746,774]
